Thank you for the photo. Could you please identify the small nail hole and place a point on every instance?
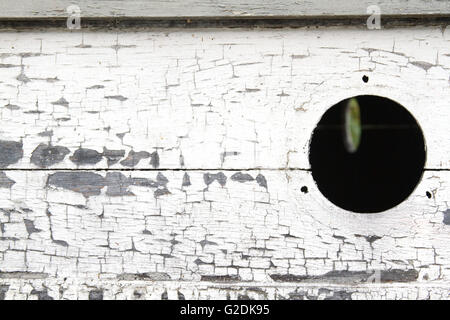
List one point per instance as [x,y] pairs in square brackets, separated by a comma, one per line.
[365,78]
[428,195]
[304,189]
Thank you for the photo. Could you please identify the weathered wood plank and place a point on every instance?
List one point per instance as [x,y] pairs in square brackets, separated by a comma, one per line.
[212,226]
[176,117]
[99,289]
[229,8]
[200,99]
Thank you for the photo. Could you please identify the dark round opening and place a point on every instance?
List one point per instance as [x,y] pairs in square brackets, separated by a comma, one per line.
[385,166]
[365,78]
[304,189]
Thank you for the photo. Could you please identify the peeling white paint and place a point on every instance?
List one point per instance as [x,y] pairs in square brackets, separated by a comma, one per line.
[226,116]
[237,232]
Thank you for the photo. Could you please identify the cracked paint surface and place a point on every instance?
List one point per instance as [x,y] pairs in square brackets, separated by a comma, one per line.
[207,99]
[173,165]
[112,227]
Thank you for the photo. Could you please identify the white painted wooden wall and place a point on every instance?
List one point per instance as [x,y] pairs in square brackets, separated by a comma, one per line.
[201,197]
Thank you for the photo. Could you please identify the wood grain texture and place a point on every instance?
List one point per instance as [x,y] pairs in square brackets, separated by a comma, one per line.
[223,9]
[206,99]
[217,228]
[95,289]
[154,163]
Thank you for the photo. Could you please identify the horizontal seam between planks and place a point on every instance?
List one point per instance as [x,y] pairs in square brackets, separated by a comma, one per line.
[223,21]
[179,169]
[155,169]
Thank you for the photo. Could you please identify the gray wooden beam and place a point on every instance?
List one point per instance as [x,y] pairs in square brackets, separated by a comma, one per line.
[38,9]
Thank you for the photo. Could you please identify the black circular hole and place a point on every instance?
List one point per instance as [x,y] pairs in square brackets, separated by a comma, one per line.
[428,195]
[304,189]
[365,78]
[385,167]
